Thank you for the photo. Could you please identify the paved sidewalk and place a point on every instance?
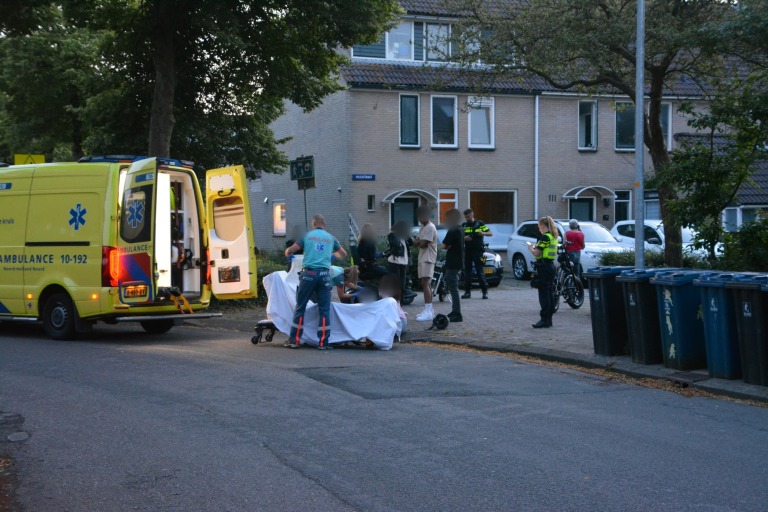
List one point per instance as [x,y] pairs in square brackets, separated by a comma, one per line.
[503,323]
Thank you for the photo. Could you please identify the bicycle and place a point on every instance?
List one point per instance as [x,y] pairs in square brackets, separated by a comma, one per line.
[567,283]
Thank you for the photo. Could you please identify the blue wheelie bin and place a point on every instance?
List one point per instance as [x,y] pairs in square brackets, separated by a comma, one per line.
[642,312]
[609,326]
[720,335]
[681,320]
[750,309]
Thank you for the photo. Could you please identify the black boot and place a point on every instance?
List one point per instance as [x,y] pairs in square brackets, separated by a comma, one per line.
[467,295]
[541,324]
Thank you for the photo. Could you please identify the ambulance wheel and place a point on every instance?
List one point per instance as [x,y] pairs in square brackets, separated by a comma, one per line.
[157,326]
[59,317]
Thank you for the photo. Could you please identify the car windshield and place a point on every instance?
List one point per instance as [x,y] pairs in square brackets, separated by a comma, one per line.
[596,233]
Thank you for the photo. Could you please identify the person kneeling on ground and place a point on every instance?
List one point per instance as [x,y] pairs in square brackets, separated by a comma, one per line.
[453,243]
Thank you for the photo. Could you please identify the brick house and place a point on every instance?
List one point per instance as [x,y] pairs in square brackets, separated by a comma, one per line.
[410,129]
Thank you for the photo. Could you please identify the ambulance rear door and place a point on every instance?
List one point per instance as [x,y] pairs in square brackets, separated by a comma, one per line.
[137,276]
[230,234]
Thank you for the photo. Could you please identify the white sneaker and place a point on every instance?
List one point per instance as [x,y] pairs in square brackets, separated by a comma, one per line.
[426,316]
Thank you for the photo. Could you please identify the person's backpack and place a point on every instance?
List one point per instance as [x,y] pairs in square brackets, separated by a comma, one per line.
[395,247]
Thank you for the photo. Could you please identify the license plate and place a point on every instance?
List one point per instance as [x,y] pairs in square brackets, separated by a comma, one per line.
[132,292]
[488,270]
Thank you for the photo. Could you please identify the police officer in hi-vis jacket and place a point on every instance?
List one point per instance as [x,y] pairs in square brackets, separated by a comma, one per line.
[475,232]
[545,252]
[318,246]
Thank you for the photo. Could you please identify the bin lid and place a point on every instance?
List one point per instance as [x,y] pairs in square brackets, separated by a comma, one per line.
[598,272]
[748,282]
[719,279]
[640,275]
[679,278]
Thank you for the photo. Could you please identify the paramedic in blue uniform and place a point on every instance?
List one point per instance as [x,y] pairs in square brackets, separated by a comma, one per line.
[319,247]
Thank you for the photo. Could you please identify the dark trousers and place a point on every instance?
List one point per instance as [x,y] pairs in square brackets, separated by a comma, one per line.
[313,281]
[474,259]
[546,278]
[575,258]
[371,271]
[452,283]
[401,271]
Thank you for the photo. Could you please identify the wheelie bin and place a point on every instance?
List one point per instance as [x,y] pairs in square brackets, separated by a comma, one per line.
[609,326]
[720,336]
[750,310]
[642,314]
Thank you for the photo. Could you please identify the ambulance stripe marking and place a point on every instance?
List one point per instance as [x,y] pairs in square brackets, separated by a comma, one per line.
[4,309]
[57,244]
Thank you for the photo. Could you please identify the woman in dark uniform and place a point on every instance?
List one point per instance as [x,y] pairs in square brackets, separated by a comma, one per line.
[545,252]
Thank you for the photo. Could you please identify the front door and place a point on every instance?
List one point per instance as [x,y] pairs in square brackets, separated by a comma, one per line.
[404,208]
[582,209]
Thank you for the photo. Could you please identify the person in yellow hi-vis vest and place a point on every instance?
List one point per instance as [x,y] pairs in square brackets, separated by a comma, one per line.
[545,252]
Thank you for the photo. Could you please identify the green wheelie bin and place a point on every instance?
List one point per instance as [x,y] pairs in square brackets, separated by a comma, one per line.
[609,326]
[642,315]
[681,320]
[720,335]
[751,309]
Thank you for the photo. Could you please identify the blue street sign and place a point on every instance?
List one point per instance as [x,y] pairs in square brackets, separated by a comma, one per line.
[363,177]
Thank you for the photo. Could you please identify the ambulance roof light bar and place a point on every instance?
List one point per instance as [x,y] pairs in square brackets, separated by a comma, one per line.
[131,158]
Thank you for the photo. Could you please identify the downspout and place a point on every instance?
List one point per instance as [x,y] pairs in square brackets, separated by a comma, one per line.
[536,158]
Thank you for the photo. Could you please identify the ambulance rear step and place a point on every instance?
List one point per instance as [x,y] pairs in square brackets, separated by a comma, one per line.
[176,316]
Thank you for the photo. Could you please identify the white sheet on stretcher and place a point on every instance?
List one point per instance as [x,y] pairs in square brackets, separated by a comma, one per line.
[378,321]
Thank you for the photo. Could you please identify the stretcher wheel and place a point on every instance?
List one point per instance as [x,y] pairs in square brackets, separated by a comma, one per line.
[256,339]
[270,335]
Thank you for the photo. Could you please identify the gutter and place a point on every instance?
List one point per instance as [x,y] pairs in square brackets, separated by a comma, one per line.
[536,158]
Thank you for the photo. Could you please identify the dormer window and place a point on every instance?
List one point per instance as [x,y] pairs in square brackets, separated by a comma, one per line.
[400,42]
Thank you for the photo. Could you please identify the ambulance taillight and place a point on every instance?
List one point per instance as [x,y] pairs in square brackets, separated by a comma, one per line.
[208,267]
[110,266]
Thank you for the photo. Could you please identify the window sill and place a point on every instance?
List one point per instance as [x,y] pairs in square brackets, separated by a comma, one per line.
[481,148]
[410,147]
[279,235]
[450,148]
[624,150]
[587,150]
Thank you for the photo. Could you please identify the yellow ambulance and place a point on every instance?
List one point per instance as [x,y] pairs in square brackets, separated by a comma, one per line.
[121,239]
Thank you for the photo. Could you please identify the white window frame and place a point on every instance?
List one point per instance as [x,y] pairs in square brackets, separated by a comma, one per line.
[480,102]
[594,126]
[275,231]
[400,120]
[454,203]
[668,140]
[616,126]
[739,214]
[371,202]
[629,202]
[412,42]
[669,123]
[427,46]
[455,121]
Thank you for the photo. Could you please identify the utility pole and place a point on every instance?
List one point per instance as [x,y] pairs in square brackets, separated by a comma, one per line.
[640,137]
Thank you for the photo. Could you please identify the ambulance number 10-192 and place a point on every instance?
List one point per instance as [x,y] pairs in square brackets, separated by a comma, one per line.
[77,259]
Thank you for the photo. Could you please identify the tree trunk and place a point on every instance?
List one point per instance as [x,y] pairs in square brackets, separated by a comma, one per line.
[162,121]
[76,123]
[657,146]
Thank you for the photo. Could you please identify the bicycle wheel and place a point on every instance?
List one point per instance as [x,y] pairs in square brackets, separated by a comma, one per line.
[573,291]
[556,291]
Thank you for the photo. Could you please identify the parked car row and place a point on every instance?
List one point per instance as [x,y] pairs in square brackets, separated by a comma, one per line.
[597,238]
[653,232]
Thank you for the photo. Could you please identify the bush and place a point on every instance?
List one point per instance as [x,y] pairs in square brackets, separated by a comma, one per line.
[653,259]
[746,249]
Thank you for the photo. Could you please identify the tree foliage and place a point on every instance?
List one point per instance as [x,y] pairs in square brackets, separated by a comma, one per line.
[589,45]
[201,79]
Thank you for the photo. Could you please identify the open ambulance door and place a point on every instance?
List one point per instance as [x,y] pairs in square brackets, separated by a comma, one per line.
[232,259]
[137,276]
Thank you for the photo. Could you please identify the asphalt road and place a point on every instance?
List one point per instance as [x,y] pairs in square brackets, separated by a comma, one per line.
[200,419]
